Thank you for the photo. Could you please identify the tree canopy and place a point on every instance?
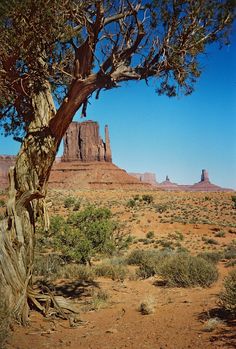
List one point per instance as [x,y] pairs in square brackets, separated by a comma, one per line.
[61,42]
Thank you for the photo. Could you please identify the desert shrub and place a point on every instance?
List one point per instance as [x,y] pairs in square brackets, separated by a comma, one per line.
[147,306]
[228,295]
[77,205]
[136,257]
[131,203]
[150,235]
[98,300]
[209,241]
[88,232]
[160,208]
[74,245]
[183,270]
[177,235]
[47,265]
[219,234]
[148,261]
[2,203]
[69,201]
[233,198]
[230,251]
[147,198]
[78,271]
[212,256]
[115,272]
[231,263]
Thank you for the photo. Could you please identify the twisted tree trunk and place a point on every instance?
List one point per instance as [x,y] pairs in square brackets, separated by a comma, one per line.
[27,190]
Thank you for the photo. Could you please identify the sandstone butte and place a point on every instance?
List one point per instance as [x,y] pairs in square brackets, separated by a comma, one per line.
[86,163]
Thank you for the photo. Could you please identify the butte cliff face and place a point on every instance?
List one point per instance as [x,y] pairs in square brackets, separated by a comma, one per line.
[82,142]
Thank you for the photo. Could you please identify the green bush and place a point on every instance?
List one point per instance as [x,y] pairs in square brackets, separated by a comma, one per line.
[228,295]
[183,270]
[86,233]
[69,202]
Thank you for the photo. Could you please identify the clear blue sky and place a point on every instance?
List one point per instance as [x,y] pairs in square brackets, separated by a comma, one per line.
[178,136]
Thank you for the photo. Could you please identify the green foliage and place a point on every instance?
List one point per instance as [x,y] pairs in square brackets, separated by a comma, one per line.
[69,202]
[228,295]
[30,59]
[183,270]
[86,233]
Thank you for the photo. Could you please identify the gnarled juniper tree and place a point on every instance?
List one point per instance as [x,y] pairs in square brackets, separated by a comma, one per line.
[63,51]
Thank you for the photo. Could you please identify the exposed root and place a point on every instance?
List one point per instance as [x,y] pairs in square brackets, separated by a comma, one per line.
[50,305]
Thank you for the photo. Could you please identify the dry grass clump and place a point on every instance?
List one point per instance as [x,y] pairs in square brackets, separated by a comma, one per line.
[76,271]
[98,300]
[228,295]
[112,271]
[147,306]
[212,324]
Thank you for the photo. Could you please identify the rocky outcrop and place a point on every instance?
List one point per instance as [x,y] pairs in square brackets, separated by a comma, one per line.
[204,176]
[82,142]
[168,185]
[146,177]
[206,185]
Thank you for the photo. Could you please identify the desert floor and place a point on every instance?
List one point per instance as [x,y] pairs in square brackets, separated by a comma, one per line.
[180,317]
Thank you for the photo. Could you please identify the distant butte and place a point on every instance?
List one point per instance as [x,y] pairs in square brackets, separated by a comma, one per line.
[87,163]
[203,185]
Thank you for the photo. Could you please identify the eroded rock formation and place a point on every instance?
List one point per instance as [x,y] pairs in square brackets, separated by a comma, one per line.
[146,177]
[82,142]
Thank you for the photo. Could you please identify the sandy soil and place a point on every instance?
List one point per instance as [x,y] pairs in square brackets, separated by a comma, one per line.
[181,316]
